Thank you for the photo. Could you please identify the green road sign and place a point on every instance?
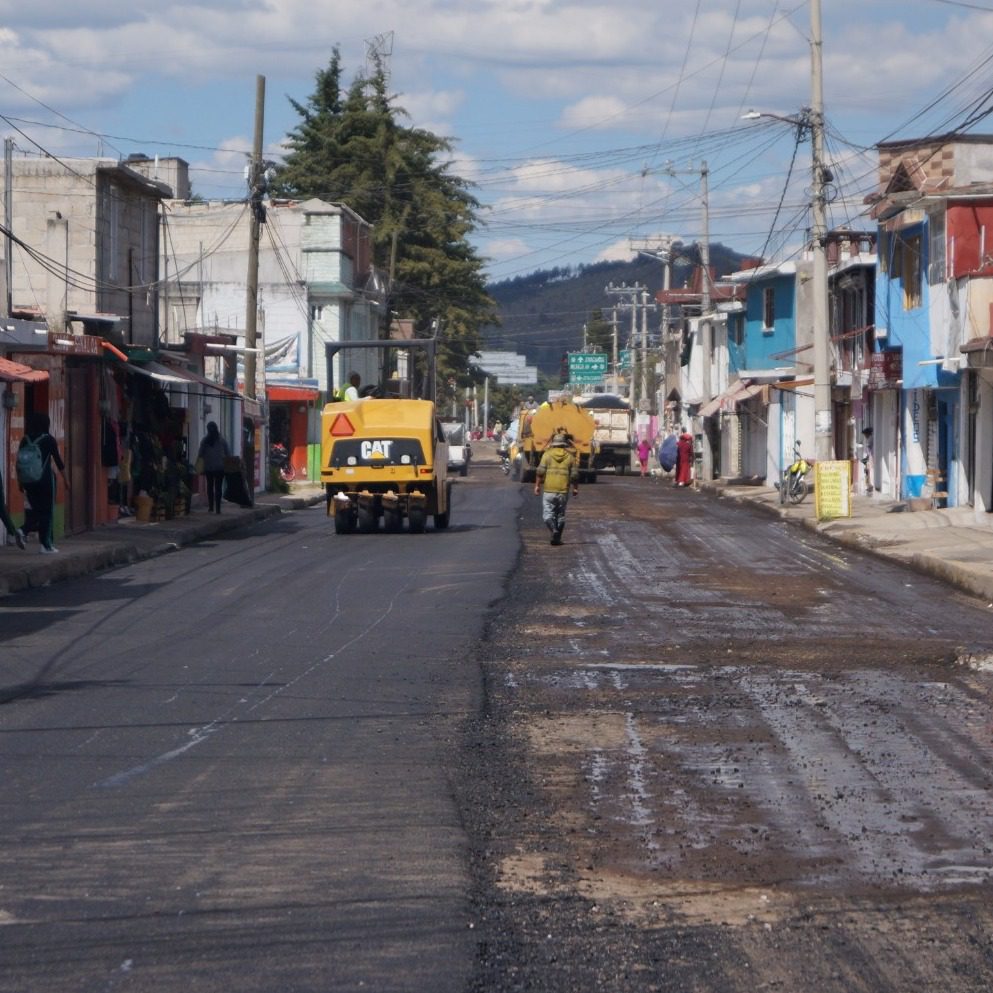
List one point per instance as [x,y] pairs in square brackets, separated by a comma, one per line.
[625,358]
[587,367]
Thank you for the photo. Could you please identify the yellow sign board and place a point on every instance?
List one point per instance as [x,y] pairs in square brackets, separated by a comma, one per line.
[832,490]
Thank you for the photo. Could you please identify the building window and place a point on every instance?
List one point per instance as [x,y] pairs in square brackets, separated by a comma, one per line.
[768,308]
[910,271]
[317,312]
[936,249]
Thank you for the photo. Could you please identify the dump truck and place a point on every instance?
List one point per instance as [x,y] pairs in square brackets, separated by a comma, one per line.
[614,419]
[562,416]
[384,456]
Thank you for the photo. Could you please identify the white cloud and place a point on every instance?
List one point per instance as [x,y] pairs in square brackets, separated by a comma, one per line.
[620,251]
[505,248]
[592,112]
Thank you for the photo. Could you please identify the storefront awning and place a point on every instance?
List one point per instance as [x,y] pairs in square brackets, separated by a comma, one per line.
[791,384]
[739,390]
[174,375]
[17,372]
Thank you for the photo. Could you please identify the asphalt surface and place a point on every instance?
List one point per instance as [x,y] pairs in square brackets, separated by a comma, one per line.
[954,544]
[720,753]
[229,767]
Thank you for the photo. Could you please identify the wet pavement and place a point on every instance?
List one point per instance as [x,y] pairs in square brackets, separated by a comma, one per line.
[954,544]
[722,753]
[130,540]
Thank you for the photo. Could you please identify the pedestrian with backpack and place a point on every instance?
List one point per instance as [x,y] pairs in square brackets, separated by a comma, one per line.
[37,454]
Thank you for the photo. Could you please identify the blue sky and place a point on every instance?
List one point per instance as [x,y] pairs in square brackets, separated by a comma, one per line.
[583,123]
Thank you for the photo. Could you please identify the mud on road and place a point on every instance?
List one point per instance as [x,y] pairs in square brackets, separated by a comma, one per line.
[720,753]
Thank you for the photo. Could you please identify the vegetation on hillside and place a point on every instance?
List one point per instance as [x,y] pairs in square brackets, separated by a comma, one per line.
[542,314]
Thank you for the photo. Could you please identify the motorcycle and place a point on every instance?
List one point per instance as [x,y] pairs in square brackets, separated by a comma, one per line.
[793,487]
[279,458]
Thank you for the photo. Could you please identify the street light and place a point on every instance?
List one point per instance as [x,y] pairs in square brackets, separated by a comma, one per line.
[812,120]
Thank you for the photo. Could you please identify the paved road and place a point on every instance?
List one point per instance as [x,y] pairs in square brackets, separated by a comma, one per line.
[229,768]
[723,754]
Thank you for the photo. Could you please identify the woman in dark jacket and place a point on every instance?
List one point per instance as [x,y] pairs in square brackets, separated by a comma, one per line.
[41,495]
[213,451]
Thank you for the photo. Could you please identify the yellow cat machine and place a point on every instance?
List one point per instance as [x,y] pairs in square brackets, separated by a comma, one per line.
[384,456]
[560,416]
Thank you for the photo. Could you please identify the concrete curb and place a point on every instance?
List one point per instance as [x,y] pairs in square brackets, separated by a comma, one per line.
[97,552]
[891,548]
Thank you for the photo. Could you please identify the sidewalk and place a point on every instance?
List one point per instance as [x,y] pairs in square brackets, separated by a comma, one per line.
[128,541]
[955,545]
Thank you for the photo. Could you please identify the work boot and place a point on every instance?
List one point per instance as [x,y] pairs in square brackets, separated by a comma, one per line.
[556,537]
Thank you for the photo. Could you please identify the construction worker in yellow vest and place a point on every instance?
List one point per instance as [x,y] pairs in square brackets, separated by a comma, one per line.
[556,475]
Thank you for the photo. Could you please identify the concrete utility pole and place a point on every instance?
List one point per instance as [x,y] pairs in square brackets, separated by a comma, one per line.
[613,345]
[256,183]
[645,305]
[633,292]
[706,324]
[662,248]
[823,429]
[812,118]
[8,220]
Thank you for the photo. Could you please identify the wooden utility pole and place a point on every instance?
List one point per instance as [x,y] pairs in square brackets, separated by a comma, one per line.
[256,183]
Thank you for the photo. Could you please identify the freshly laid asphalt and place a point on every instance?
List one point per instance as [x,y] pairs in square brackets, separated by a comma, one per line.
[954,544]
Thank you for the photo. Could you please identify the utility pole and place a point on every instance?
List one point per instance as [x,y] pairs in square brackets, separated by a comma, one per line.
[8,220]
[706,325]
[256,187]
[645,401]
[633,292]
[613,340]
[662,248]
[823,432]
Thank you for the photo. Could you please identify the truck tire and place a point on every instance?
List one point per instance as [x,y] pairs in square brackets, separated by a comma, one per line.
[417,519]
[392,519]
[367,520]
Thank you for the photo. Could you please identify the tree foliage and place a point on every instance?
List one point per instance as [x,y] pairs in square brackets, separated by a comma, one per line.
[351,146]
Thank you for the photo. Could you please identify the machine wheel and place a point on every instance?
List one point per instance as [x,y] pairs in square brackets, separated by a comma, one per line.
[368,521]
[441,520]
[621,467]
[392,519]
[417,518]
[344,521]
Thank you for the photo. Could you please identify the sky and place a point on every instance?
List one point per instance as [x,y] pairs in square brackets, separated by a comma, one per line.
[585,125]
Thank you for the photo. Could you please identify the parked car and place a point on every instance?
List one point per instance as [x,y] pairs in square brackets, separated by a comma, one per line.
[459,449]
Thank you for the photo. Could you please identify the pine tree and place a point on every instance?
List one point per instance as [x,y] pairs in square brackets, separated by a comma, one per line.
[352,147]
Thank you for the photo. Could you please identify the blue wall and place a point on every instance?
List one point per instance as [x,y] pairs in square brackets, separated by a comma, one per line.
[909,329]
[762,344]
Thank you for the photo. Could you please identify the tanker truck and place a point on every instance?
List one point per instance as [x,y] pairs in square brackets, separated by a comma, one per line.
[562,416]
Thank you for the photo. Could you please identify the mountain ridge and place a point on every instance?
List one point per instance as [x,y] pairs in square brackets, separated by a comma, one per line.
[542,313]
